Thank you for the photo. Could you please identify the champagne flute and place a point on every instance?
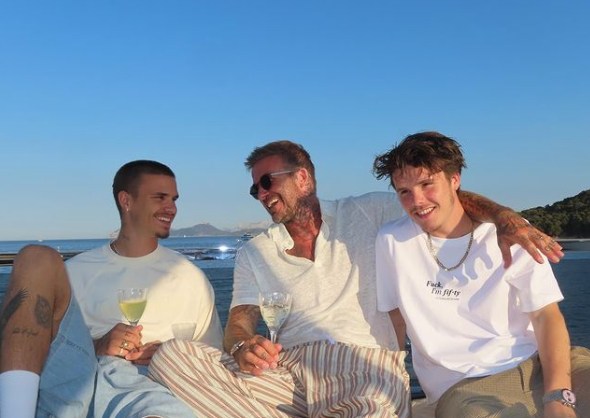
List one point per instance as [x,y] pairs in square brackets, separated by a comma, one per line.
[274,307]
[132,303]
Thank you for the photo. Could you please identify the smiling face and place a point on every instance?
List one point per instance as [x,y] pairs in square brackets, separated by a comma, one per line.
[429,199]
[150,210]
[281,201]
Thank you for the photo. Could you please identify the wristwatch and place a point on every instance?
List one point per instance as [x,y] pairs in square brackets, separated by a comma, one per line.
[236,347]
[565,396]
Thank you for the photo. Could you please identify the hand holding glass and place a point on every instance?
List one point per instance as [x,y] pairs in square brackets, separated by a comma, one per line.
[275,308]
[132,303]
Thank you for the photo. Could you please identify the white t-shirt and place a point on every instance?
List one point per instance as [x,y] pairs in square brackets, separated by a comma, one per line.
[472,321]
[178,292]
[334,297]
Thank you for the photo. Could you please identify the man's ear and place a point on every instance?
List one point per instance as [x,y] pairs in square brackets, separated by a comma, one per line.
[124,200]
[303,179]
[456,181]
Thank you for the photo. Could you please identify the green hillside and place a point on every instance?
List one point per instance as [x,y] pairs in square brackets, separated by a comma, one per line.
[569,218]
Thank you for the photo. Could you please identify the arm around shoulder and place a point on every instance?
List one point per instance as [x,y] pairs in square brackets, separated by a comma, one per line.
[512,229]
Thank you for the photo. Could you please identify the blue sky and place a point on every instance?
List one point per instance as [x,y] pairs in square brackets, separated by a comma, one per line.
[86,86]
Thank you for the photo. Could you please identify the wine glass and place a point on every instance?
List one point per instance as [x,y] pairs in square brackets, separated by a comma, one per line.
[274,307]
[132,303]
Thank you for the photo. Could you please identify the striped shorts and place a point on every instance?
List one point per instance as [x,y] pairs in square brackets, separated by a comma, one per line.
[315,379]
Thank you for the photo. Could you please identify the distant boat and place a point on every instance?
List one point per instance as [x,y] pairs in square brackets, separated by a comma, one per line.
[243,239]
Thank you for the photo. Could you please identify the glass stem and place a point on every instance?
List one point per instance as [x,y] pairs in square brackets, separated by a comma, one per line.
[273,336]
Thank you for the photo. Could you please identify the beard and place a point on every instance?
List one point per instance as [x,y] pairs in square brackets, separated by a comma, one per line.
[303,210]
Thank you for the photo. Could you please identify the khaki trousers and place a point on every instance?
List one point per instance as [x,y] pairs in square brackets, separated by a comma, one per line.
[514,393]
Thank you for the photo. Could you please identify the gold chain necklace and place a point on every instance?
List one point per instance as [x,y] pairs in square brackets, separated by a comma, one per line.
[440,264]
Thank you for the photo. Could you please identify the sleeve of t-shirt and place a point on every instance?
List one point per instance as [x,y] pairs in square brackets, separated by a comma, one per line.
[386,294]
[379,207]
[208,329]
[245,291]
[536,284]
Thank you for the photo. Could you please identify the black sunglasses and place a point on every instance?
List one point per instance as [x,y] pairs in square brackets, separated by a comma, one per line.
[266,181]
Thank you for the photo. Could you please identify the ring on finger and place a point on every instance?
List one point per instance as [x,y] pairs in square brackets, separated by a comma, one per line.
[121,352]
[124,344]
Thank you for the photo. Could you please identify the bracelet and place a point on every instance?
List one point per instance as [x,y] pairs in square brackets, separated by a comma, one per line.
[236,347]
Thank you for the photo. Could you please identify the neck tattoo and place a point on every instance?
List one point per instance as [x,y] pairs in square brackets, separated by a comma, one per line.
[461,261]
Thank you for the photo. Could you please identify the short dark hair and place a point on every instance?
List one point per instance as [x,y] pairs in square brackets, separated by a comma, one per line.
[431,150]
[129,175]
[294,155]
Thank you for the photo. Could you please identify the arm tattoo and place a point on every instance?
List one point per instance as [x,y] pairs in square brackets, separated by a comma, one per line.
[241,324]
[43,312]
[10,309]
[252,312]
[246,317]
[251,316]
[478,207]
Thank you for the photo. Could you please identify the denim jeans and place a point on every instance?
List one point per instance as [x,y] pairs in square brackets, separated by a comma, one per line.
[67,381]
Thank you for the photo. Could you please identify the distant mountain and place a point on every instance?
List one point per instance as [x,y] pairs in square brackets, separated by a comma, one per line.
[568,218]
[208,230]
[199,230]
[253,226]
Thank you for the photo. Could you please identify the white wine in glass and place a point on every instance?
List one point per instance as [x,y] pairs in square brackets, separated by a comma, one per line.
[132,303]
[275,308]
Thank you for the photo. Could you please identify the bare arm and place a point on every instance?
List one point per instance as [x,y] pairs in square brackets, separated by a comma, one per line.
[512,229]
[258,353]
[241,325]
[399,325]
[554,353]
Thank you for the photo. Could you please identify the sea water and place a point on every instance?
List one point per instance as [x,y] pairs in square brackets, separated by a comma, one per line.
[215,256]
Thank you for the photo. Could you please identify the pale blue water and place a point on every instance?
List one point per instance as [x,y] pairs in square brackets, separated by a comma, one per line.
[219,251]
[182,244]
[573,273]
[217,261]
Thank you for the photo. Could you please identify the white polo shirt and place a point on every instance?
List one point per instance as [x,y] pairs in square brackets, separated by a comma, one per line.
[334,296]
